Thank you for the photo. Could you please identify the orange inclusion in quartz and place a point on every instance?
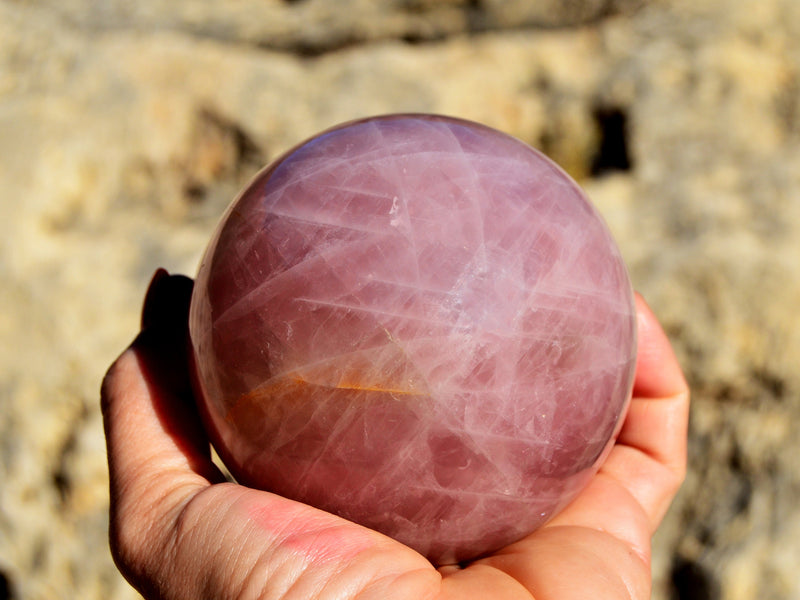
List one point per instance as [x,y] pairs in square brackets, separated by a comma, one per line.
[280,392]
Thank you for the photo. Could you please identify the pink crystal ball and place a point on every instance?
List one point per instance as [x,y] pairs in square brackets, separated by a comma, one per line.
[417,323]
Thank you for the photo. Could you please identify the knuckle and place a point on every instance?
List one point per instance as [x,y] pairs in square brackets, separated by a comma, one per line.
[109,385]
[675,476]
[127,548]
[135,543]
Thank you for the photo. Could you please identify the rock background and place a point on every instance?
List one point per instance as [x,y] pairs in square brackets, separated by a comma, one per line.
[126,128]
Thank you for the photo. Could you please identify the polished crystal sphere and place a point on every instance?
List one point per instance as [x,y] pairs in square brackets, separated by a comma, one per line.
[417,323]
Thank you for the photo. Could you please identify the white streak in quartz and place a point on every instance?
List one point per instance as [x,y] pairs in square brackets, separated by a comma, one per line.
[420,325]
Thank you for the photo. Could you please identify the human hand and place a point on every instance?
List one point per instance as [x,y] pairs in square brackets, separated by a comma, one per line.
[179,530]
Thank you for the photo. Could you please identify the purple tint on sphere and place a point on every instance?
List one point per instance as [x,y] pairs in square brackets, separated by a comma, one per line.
[417,323]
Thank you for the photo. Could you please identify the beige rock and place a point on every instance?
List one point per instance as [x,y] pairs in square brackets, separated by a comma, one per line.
[126,130]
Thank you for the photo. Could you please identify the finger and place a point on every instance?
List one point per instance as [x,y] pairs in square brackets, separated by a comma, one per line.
[557,563]
[650,455]
[148,432]
[146,396]
[637,482]
[658,417]
[157,451]
[658,374]
[175,535]
[163,340]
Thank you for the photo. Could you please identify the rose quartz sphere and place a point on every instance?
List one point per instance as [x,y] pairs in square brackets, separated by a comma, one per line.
[419,324]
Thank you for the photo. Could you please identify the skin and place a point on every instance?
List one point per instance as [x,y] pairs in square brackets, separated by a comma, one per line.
[179,530]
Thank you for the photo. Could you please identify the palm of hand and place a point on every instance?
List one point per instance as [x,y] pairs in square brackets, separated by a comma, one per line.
[179,531]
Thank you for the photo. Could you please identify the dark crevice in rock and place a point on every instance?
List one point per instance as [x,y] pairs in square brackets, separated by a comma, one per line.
[219,149]
[692,581]
[612,152]
[741,485]
[574,14]
[6,589]
[425,23]
[308,49]
[60,477]
[787,104]
[773,384]
[417,39]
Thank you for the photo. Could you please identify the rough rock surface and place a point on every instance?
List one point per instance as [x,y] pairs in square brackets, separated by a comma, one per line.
[127,129]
